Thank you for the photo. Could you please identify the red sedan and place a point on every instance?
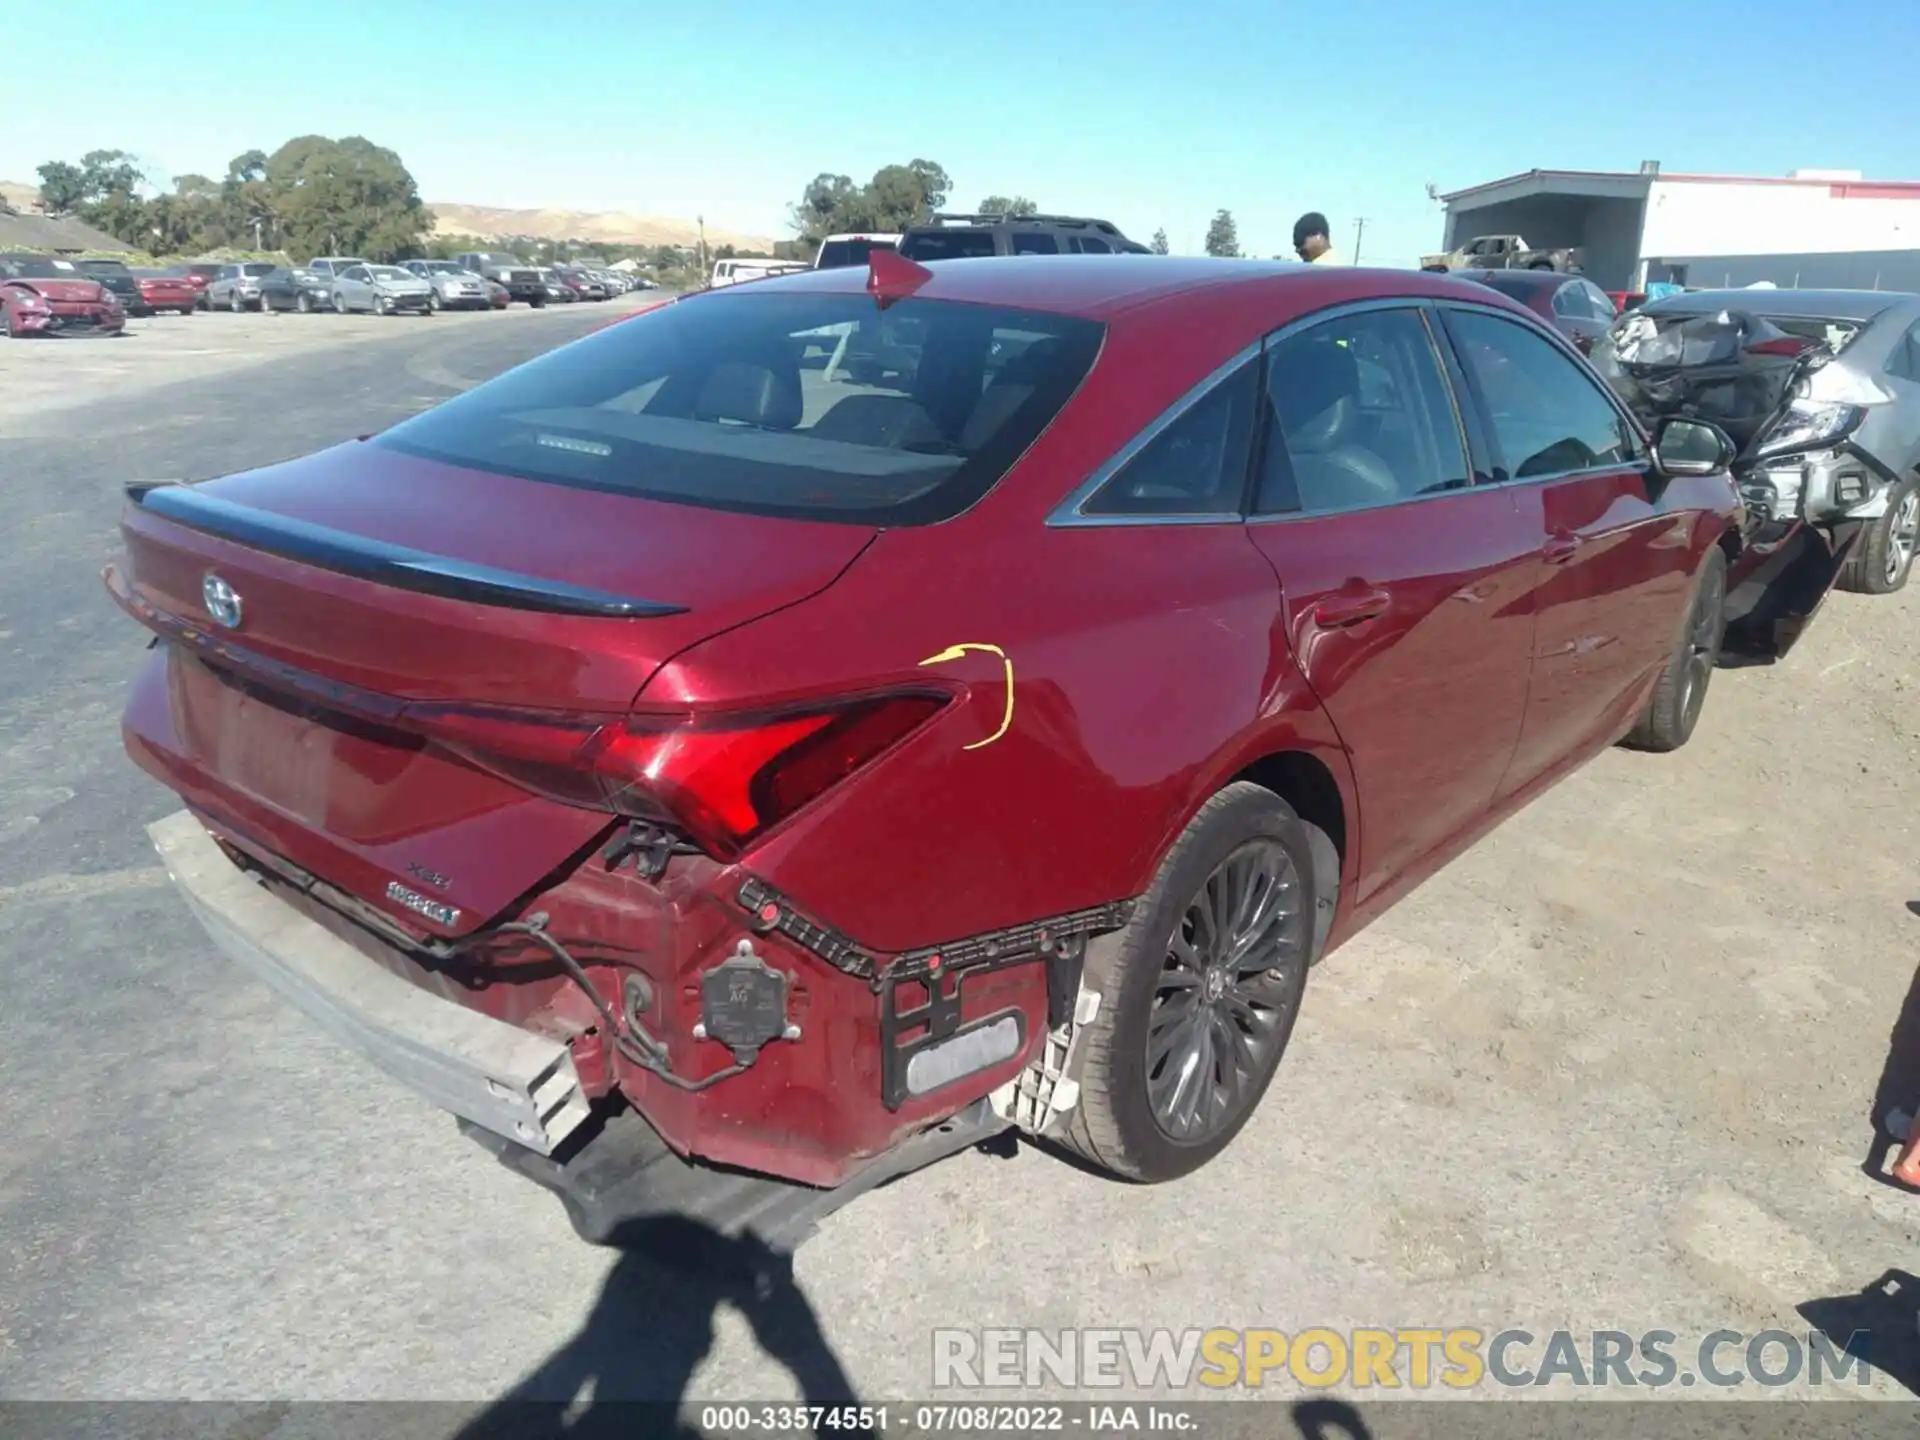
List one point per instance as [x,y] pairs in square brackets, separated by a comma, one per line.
[44,295]
[1578,308]
[840,771]
[160,290]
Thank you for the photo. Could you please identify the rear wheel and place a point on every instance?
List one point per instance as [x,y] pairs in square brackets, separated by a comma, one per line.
[303,303]
[234,302]
[266,303]
[433,300]
[1882,557]
[339,303]
[1541,265]
[1199,993]
[1681,691]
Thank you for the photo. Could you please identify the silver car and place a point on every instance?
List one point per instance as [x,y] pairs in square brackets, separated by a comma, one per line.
[454,287]
[381,290]
[237,287]
[1845,454]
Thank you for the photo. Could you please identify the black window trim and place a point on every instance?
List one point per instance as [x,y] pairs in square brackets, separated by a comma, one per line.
[1643,463]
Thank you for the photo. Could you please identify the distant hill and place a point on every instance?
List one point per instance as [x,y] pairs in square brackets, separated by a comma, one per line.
[614,227]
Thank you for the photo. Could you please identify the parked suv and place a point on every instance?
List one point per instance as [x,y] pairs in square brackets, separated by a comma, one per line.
[237,287]
[523,281]
[962,237]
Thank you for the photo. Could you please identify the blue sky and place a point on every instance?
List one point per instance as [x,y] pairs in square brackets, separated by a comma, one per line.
[1150,114]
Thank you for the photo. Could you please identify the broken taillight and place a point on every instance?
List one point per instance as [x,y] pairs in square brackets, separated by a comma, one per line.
[723,779]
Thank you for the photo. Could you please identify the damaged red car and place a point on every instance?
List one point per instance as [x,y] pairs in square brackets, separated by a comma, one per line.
[45,295]
[725,784]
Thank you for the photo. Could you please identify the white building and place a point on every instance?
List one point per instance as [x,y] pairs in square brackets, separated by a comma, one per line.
[1811,229]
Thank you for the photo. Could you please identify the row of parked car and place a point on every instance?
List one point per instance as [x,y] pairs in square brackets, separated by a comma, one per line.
[51,294]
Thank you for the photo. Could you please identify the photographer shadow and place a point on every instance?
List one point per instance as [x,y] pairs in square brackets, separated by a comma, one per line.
[651,1328]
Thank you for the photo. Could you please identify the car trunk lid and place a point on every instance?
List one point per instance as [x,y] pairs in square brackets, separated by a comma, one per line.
[314,606]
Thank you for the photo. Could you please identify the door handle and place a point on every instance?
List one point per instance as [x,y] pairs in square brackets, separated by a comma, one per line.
[1350,607]
[1561,548]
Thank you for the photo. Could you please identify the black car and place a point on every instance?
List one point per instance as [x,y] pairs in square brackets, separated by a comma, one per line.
[961,237]
[292,288]
[115,275]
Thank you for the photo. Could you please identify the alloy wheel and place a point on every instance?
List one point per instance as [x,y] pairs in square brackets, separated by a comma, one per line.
[1703,645]
[1903,536]
[1224,1001]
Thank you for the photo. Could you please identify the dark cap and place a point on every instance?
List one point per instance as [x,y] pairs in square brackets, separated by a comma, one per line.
[1311,223]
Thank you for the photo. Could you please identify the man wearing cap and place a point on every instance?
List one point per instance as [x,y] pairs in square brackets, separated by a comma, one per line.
[1310,240]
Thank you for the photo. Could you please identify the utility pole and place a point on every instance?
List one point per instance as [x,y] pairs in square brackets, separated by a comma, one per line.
[1359,230]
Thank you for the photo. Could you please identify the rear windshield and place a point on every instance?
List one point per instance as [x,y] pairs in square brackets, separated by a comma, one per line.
[947,244]
[1836,335]
[39,267]
[106,267]
[838,254]
[820,407]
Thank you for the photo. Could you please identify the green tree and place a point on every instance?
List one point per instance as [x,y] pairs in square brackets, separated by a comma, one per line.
[1008,205]
[1222,236]
[1159,242]
[346,196]
[897,196]
[62,186]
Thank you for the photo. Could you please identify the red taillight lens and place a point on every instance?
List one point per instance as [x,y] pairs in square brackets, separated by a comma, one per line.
[723,779]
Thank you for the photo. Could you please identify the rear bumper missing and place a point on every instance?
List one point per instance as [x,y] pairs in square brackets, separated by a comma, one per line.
[515,1084]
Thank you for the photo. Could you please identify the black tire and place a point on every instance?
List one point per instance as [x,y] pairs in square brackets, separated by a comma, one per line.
[1117,1125]
[235,303]
[433,300]
[539,302]
[339,303]
[303,303]
[186,312]
[1882,558]
[1671,715]
[266,303]
[1541,265]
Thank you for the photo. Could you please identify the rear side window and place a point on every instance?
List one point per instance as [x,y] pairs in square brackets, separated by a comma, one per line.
[1034,242]
[819,407]
[838,254]
[1904,362]
[947,244]
[1360,415]
[1088,245]
[1196,464]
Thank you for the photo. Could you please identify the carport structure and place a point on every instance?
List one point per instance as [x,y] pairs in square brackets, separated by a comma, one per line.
[1602,211]
[1811,229]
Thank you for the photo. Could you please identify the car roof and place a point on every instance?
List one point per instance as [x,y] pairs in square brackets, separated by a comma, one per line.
[1098,288]
[1856,305]
[1530,279]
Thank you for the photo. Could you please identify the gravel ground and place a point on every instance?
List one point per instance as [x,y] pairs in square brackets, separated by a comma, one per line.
[1612,1069]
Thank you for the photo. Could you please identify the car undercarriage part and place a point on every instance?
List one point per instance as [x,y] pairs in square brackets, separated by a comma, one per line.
[1771,605]
[623,1176]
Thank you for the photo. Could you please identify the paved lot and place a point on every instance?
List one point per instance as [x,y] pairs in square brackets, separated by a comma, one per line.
[1613,1069]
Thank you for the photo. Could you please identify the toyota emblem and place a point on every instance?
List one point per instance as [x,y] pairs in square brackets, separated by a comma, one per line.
[223,601]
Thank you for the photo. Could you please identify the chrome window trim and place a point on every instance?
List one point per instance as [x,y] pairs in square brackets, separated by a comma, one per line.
[1068,513]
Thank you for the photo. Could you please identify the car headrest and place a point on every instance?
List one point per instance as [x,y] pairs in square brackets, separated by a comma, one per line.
[751,395]
[1316,391]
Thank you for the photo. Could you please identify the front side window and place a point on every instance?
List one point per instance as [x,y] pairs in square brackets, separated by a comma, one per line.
[1359,414]
[1548,417]
[822,407]
[1196,465]
[1601,302]
[1571,301]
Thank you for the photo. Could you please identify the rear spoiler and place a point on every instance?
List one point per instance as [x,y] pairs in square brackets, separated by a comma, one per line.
[376,560]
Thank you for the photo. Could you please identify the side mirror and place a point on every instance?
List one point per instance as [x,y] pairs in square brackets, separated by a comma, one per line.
[1691,447]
